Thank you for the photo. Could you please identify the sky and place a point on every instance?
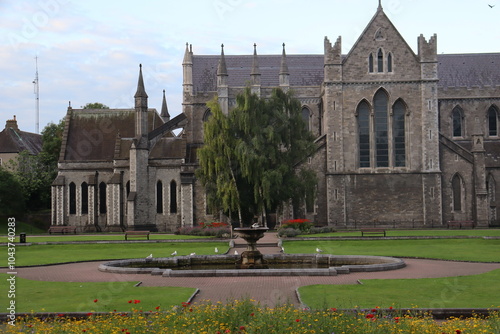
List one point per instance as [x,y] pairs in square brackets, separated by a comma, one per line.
[90,51]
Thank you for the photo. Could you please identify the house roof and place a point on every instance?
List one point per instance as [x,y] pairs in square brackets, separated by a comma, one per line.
[454,70]
[13,140]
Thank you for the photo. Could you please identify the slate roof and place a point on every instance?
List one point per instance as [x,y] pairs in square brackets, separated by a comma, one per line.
[454,70]
[13,140]
[92,133]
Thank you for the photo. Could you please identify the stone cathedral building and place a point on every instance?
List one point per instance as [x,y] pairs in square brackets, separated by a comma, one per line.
[404,138]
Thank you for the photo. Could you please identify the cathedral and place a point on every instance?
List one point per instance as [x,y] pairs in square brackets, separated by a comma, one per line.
[403,139]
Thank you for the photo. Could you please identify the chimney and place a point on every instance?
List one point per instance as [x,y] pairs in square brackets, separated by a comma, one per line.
[11,124]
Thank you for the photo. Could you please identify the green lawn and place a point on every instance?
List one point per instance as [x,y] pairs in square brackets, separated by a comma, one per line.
[477,291]
[39,296]
[47,254]
[481,250]
[416,233]
[104,237]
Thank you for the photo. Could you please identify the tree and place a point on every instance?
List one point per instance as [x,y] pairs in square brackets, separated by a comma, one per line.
[95,105]
[11,196]
[248,161]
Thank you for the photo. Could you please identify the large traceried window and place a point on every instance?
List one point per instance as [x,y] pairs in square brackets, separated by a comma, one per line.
[363,112]
[493,122]
[457,120]
[398,133]
[456,186]
[381,129]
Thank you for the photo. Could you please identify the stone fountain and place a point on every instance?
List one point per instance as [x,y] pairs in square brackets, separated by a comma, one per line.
[251,258]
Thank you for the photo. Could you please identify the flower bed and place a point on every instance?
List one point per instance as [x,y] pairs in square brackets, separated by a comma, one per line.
[248,317]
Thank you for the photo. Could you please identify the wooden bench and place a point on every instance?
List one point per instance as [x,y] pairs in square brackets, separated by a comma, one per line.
[62,229]
[129,234]
[461,224]
[372,231]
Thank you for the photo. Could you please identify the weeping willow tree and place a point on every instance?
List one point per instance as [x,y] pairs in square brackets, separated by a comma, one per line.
[249,158]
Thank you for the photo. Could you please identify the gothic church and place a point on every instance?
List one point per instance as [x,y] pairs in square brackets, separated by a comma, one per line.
[403,139]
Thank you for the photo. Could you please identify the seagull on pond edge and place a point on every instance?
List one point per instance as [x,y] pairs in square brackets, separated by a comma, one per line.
[235,252]
[174,253]
[255,225]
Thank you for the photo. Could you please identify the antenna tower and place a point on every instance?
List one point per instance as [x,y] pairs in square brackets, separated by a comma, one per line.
[37,97]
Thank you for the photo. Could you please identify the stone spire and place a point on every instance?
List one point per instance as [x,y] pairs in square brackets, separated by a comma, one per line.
[187,70]
[222,69]
[255,74]
[284,74]
[222,88]
[379,5]
[141,107]
[164,109]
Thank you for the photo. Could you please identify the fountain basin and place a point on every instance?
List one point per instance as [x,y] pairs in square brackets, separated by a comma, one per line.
[279,265]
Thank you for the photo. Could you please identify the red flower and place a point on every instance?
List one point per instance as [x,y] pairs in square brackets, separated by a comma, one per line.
[333,309]
[458,331]
[130,302]
[157,307]
[96,300]
[297,320]
[89,314]
[374,310]
[396,319]
[390,307]
[60,315]
[242,328]
[252,314]
[370,316]
[136,301]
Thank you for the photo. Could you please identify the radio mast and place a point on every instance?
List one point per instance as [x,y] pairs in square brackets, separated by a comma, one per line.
[37,97]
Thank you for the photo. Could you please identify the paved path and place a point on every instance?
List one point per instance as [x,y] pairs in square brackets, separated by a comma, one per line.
[268,290]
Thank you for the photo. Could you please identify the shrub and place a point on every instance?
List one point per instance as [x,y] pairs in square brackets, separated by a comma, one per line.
[288,232]
[322,229]
[303,225]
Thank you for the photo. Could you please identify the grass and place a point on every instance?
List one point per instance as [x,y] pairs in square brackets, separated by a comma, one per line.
[39,296]
[481,250]
[476,291]
[415,233]
[50,254]
[105,237]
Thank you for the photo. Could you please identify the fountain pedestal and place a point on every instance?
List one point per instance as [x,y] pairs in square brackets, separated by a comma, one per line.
[251,258]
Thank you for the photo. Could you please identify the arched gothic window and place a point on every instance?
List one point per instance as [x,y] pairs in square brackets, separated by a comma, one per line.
[363,112]
[493,122]
[72,198]
[389,62]
[380,61]
[457,120]
[159,197]
[85,198]
[370,63]
[381,132]
[306,115]
[398,133]
[456,185]
[207,115]
[173,197]
[102,198]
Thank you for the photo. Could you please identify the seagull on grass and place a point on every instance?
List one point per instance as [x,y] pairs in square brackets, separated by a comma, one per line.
[174,253]
[150,256]
[319,250]
[282,249]
[216,250]
[192,254]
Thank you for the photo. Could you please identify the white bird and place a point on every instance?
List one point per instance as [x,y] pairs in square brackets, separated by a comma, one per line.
[192,254]
[235,252]
[255,225]
[282,249]
[150,256]
[318,250]
[174,253]
[216,250]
